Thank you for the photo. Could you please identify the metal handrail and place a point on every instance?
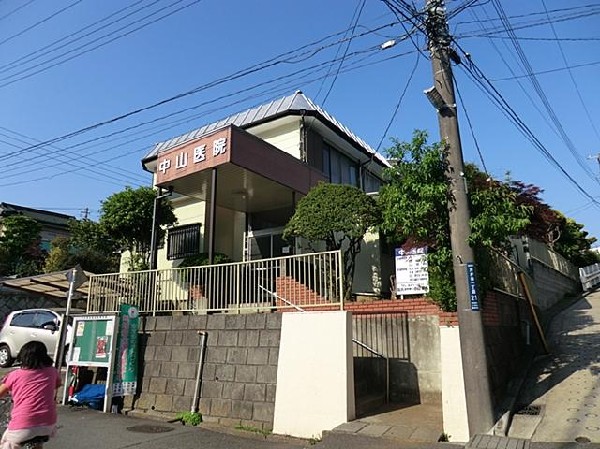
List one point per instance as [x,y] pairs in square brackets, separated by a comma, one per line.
[387,366]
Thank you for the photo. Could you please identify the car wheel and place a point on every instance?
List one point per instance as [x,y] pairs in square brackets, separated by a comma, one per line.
[6,360]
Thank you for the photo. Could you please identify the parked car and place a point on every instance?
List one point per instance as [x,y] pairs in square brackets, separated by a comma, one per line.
[22,326]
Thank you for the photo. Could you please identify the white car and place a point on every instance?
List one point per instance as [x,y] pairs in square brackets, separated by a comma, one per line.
[23,326]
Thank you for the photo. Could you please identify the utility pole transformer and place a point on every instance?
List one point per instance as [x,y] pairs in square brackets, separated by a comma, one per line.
[472,340]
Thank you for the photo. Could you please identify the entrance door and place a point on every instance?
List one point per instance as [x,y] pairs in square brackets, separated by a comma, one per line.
[265,244]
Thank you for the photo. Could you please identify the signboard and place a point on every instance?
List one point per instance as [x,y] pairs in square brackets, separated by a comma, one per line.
[411,272]
[92,344]
[472,286]
[126,362]
[206,152]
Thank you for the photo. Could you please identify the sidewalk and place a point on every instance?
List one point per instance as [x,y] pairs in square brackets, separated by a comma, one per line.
[561,397]
[82,428]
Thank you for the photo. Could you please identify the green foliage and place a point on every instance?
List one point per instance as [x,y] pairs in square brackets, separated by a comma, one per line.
[495,212]
[127,217]
[338,215]
[574,244]
[88,246]
[263,432]
[189,418]
[415,204]
[201,259]
[414,200]
[414,208]
[20,252]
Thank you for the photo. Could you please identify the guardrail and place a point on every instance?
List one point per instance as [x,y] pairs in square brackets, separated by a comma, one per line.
[590,276]
[290,282]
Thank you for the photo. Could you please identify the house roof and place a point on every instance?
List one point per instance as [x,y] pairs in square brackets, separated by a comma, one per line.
[295,103]
[41,216]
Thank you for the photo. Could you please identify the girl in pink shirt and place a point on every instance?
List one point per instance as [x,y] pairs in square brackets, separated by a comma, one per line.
[33,389]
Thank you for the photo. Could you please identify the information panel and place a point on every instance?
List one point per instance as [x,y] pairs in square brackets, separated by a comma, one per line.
[92,340]
[411,272]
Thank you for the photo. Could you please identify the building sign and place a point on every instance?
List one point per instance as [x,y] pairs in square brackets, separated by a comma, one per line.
[411,272]
[204,153]
[472,286]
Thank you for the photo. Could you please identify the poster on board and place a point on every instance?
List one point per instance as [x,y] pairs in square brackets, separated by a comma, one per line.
[126,361]
[411,272]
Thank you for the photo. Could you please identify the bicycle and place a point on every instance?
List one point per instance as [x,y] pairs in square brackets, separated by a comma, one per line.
[5,407]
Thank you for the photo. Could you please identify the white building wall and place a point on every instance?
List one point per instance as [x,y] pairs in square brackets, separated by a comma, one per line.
[315,378]
[285,137]
[454,401]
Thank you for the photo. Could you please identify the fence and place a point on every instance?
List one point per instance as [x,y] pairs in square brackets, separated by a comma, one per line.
[590,276]
[310,280]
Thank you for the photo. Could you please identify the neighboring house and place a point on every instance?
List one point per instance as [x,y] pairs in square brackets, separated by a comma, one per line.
[236,182]
[53,224]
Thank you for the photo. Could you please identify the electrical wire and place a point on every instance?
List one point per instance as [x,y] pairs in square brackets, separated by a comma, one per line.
[11,78]
[575,85]
[23,5]
[35,25]
[472,131]
[393,117]
[355,18]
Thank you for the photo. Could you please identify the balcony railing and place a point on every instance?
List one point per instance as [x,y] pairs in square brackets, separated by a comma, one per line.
[296,282]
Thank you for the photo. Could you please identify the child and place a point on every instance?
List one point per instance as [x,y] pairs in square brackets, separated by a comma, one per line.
[33,389]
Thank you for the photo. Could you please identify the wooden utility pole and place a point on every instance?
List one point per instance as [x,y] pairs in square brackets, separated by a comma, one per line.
[472,340]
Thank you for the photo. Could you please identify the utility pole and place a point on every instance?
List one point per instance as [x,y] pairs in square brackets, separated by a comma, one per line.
[472,340]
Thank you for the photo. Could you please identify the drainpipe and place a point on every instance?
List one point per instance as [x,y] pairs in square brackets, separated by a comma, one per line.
[303,135]
[196,400]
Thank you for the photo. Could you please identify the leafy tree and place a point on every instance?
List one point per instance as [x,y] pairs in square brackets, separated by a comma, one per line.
[415,203]
[414,207]
[127,218]
[20,252]
[574,244]
[338,215]
[88,246]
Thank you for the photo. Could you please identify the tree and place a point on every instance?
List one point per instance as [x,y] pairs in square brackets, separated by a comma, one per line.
[20,252]
[89,246]
[415,201]
[127,217]
[338,215]
[574,244]
[414,207]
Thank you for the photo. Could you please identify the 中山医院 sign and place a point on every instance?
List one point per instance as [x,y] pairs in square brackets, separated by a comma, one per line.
[411,272]
[207,152]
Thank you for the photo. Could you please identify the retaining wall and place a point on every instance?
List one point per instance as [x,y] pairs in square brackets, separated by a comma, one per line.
[240,371]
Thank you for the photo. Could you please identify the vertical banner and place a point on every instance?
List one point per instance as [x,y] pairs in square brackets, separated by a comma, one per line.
[126,361]
[472,286]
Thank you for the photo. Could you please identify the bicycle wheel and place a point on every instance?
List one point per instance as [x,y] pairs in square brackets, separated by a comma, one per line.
[5,406]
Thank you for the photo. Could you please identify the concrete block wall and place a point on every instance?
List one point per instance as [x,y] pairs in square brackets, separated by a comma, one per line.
[551,285]
[240,371]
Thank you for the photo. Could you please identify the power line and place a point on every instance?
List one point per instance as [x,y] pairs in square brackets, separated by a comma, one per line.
[52,16]
[89,28]
[540,92]
[499,101]
[464,108]
[575,85]
[544,72]
[393,117]
[277,60]
[11,78]
[355,18]
[23,5]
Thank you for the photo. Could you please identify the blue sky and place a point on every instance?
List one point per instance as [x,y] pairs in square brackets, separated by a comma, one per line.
[70,64]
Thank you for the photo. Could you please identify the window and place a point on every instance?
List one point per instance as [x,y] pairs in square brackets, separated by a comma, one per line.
[24,319]
[183,241]
[339,168]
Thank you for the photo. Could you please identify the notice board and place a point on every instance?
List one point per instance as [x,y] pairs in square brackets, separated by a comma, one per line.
[93,340]
[93,343]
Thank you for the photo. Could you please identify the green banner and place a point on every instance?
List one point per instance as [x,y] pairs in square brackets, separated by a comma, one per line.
[126,360]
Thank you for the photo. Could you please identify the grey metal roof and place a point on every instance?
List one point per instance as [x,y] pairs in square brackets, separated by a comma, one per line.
[295,102]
